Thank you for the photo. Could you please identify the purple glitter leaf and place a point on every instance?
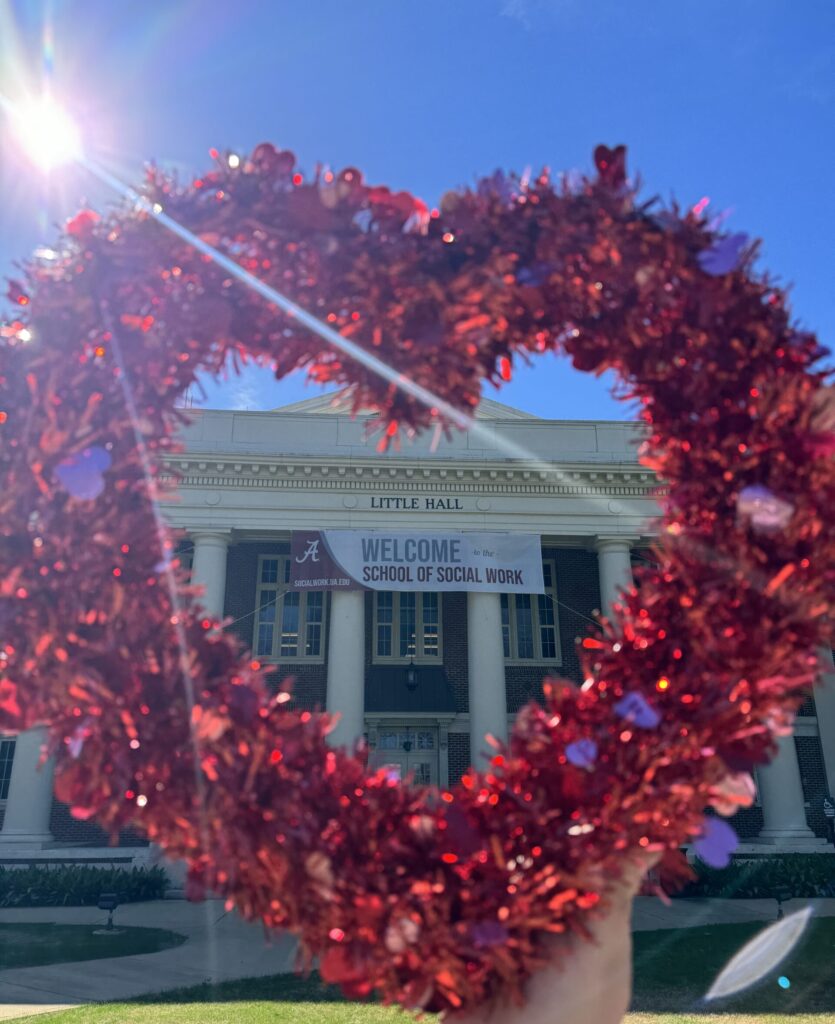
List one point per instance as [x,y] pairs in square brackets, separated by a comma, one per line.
[535,275]
[723,256]
[635,709]
[766,512]
[81,475]
[716,843]
[488,933]
[582,753]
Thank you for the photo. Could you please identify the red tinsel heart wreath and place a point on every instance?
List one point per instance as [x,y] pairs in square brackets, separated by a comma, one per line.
[435,899]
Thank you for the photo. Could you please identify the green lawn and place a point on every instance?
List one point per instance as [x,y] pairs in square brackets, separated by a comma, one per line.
[35,945]
[673,969]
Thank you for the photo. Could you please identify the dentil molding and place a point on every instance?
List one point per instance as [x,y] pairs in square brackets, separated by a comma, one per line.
[481,479]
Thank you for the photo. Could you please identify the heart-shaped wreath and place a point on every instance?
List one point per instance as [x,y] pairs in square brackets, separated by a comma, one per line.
[158,720]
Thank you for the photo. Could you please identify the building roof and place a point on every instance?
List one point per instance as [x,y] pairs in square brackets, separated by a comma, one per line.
[338,403]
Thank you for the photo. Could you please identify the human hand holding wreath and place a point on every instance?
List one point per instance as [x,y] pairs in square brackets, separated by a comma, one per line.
[442,900]
[588,979]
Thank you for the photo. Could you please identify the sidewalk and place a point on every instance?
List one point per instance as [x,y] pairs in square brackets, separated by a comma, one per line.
[222,947]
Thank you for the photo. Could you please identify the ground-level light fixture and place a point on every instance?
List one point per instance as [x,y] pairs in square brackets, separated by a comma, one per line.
[109,901]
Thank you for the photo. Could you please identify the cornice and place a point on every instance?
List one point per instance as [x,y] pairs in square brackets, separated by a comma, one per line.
[623,480]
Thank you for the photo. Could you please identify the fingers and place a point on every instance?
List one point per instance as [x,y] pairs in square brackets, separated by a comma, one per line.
[636,864]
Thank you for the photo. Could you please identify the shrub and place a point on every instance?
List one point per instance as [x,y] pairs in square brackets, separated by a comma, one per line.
[77,885]
[802,874]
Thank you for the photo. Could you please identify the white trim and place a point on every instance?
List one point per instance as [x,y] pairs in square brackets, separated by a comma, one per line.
[331,473]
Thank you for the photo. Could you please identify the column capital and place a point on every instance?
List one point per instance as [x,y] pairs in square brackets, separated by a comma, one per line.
[614,564]
[615,542]
[211,535]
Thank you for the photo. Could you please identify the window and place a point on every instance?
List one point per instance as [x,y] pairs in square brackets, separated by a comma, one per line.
[289,624]
[406,625]
[394,739]
[6,758]
[529,622]
[184,554]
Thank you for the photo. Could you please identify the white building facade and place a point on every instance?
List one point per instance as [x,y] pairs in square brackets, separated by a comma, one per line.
[423,676]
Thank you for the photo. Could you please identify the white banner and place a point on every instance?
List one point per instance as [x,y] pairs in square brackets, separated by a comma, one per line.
[504,563]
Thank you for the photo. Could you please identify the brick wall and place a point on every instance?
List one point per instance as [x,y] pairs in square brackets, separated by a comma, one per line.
[748,822]
[68,831]
[454,625]
[459,756]
[523,683]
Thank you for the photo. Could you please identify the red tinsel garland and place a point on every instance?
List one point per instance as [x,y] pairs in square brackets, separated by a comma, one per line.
[439,900]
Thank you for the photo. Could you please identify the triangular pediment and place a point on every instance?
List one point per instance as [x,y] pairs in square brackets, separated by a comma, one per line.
[338,403]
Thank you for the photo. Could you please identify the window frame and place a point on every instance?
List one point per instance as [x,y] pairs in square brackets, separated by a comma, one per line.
[419,657]
[537,625]
[282,589]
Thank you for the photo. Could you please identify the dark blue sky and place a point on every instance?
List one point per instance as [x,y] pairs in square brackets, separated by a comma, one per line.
[731,99]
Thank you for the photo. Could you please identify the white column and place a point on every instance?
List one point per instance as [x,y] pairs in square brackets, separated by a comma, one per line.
[346,666]
[485,670]
[825,709]
[208,569]
[29,803]
[615,569]
[781,796]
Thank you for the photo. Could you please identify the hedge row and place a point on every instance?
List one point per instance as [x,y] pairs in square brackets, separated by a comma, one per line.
[78,886]
[803,874]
